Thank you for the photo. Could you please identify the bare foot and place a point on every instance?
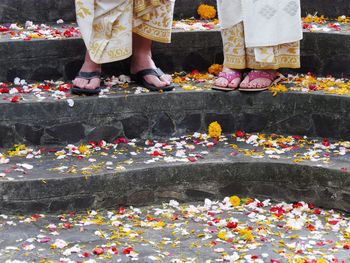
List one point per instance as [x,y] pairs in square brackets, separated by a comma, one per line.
[88,66]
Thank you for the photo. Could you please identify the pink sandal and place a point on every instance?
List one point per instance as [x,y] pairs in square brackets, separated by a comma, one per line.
[229,76]
[258,74]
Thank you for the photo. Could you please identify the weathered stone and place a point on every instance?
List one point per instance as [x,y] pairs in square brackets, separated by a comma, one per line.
[294,124]
[51,11]
[194,194]
[169,195]
[235,188]
[326,126]
[190,123]
[72,204]
[68,132]
[135,126]
[321,53]
[252,122]
[141,198]
[227,121]
[107,133]
[30,133]
[162,125]
[6,136]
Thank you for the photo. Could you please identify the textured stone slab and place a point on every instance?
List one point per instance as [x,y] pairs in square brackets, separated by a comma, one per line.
[322,53]
[51,11]
[330,8]
[217,175]
[172,114]
[184,231]
[38,11]
[54,59]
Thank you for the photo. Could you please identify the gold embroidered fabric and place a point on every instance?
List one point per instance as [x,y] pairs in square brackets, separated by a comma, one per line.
[107,25]
[237,56]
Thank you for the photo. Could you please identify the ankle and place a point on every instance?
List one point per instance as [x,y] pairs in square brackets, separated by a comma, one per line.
[90,66]
[230,70]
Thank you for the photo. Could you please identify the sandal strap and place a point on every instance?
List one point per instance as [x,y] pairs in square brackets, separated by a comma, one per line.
[89,75]
[152,71]
[230,75]
[258,74]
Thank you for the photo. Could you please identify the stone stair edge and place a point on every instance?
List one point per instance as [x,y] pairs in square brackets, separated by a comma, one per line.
[173,114]
[322,53]
[64,9]
[186,176]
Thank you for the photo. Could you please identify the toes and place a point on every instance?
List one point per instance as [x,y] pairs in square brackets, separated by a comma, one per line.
[235,83]
[93,84]
[166,78]
[259,83]
[222,82]
[153,80]
[253,84]
[245,82]
[81,83]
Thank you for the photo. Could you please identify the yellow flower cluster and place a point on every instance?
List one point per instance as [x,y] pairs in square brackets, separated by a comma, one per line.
[343,19]
[214,130]
[215,69]
[303,260]
[278,89]
[222,235]
[328,85]
[17,150]
[83,149]
[315,19]
[206,11]
[246,234]
[235,201]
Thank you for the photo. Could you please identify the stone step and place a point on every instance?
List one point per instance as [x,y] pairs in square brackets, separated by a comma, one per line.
[322,54]
[121,112]
[187,169]
[186,232]
[51,11]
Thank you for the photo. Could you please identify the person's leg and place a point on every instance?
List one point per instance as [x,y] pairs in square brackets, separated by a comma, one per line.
[88,66]
[156,25]
[263,61]
[234,54]
[142,59]
[284,56]
[107,36]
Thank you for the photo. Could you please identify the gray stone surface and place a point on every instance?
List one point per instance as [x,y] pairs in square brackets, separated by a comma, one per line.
[50,11]
[175,233]
[215,175]
[172,114]
[38,11]
[322,53]
[330,8]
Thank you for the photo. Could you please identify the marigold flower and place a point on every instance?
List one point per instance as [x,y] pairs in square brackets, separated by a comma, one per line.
[206,11]
[280,88]
[215,130]
[246,234]
[83,149]
[235,201]
[215,69]
[222,235]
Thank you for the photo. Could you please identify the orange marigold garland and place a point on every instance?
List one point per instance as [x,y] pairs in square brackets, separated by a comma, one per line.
[206,11]
[215,69]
